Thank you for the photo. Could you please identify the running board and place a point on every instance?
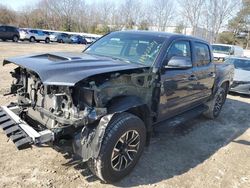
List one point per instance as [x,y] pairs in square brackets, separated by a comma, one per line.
[181,118]
[19,131]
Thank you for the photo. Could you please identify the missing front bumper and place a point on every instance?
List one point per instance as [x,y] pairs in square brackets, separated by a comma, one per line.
[23,135]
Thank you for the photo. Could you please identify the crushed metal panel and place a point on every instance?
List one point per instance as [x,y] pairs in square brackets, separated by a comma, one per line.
[87,144]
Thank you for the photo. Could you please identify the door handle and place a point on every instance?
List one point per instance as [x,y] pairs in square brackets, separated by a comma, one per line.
[192,78]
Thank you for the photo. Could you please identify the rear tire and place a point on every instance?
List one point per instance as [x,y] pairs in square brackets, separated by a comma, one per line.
[15,38]
[215,105]
[122,146]
[47,40]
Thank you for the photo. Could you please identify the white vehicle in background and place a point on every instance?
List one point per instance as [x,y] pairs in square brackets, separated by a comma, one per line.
[53,37]
[222,51]
[89,39]
[34,35]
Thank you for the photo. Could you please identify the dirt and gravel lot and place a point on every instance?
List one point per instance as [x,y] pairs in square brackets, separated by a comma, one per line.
[199,153]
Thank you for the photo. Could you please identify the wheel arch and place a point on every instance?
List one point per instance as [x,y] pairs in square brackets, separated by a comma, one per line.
[134,105]
[15,35]
[131,104]
[223,83]
[32,37]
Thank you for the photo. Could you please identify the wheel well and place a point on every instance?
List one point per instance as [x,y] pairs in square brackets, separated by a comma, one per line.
[133,105]
[140,112]
[144,114]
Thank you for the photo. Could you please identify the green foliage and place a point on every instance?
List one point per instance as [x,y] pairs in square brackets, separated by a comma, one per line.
[241,24]
[230,38]
[103,29]
[226,38]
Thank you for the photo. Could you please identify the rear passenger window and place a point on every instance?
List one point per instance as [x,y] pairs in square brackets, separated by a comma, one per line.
[202,54]
[10,29]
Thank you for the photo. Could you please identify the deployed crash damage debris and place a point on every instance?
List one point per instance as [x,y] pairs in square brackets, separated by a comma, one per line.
[87,143]
[106,100]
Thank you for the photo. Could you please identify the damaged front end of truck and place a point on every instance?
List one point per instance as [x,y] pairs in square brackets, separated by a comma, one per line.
[79,110]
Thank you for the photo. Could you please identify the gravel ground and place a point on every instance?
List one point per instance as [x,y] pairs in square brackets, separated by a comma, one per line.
[199,153]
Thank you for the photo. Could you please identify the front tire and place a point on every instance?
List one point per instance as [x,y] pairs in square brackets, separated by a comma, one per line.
[122,146]
[215,105]
[32,39]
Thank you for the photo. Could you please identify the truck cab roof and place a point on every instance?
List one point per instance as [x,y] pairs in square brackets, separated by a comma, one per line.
[163,34]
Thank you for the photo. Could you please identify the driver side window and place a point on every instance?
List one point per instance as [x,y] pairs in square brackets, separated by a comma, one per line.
[180,50]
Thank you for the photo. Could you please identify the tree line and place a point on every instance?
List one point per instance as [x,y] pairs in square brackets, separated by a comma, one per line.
[103,16]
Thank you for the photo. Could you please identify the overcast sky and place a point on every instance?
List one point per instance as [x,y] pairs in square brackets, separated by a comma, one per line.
[17,4]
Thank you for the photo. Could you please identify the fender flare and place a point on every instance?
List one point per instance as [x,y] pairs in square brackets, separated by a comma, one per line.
[124,103]
[219,84]
[132,104]
[87,143]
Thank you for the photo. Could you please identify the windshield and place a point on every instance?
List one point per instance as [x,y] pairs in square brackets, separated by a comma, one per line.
[128,47]
[221,49]
[243,64]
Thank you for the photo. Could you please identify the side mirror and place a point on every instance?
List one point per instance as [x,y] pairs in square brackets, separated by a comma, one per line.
[179,62]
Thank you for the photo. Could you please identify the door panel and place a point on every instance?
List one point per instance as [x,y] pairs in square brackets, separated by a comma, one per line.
[177,84]
[177,90]
[40,35]
[2,32]
[204,70]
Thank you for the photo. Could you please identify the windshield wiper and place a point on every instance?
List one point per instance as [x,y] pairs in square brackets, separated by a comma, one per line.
[120,59]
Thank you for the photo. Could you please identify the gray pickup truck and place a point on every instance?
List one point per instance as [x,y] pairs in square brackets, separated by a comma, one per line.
[107,100]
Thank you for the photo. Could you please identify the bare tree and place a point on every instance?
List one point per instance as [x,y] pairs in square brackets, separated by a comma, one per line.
[105,9]
[192,11]
[217,13]
[7,16]
[163,13]
[129,12]
[65,10]
[101,16]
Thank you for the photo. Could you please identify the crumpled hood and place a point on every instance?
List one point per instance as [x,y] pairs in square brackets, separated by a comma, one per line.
[241,75]
[69,68]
